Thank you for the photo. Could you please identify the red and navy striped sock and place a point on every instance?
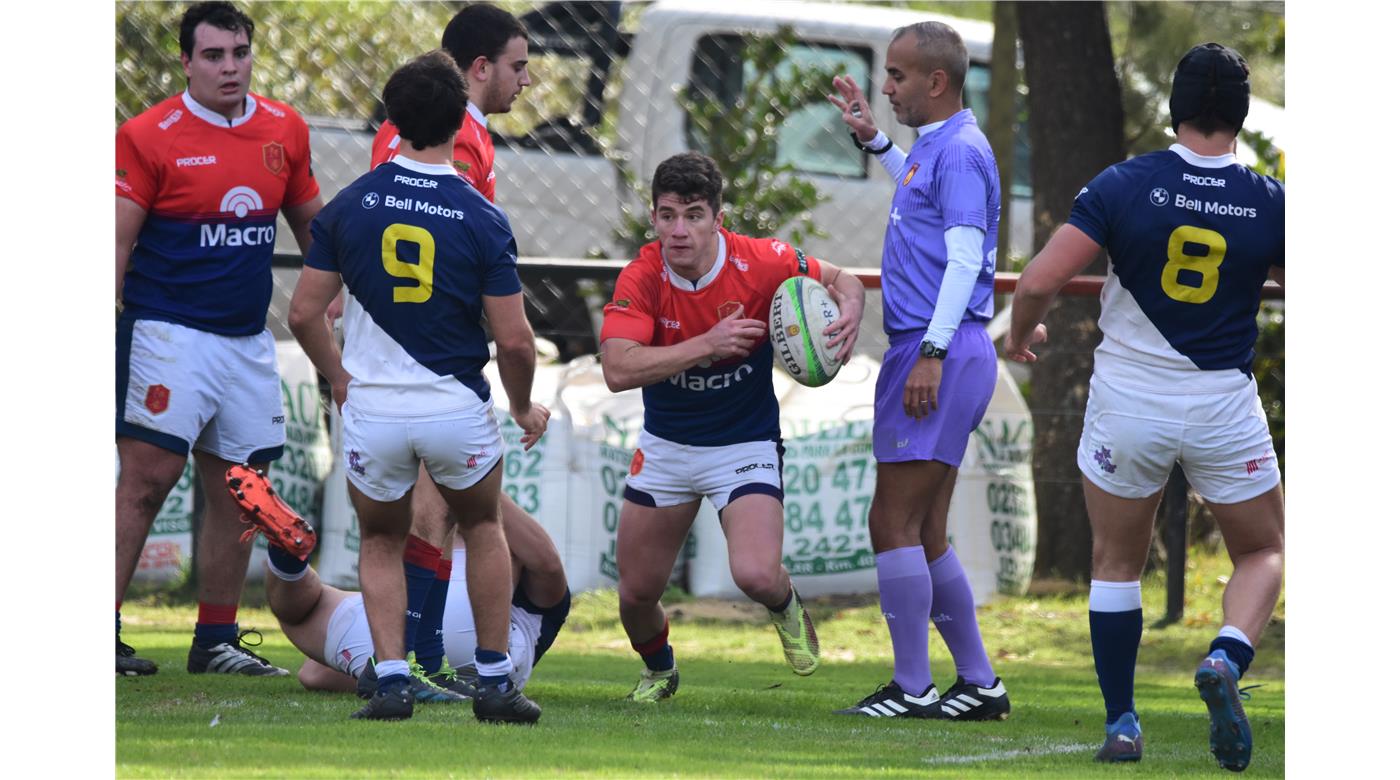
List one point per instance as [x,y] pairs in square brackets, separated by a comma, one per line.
[419,571]
[216,624]
[656,652]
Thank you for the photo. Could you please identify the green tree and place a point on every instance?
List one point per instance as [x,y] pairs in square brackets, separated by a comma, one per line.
[763,197]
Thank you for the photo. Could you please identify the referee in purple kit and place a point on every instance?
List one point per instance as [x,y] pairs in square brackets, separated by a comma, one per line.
[937,376]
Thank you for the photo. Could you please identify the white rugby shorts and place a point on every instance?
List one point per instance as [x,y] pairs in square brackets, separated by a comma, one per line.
[382,452]
[181,388]
[665,473]
[1133,436]
[349,645]
[459,634]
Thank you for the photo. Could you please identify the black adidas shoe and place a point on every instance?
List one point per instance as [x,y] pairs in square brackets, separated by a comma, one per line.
[393,704]
[128,664]
[504,704]
[235,658]
[890,701]
[965,701]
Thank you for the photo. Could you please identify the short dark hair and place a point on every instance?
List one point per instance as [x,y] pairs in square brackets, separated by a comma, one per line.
[225,16]
[480,30]
[941,48]
[426,99]
[1210,90]
[690,176]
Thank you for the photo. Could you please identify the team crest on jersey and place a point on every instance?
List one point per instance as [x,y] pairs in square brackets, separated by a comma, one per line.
[908,177]
[729,307]
[157,398]
[274,157]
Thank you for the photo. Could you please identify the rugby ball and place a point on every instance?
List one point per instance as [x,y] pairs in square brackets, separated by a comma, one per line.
[801,310]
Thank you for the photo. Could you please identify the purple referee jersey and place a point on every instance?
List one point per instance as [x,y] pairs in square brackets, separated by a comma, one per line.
[949,179]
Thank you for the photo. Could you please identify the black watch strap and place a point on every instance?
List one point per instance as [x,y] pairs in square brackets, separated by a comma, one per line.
[927,349]
[889,142]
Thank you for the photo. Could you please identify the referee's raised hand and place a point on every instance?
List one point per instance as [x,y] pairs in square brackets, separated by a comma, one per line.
[855,111]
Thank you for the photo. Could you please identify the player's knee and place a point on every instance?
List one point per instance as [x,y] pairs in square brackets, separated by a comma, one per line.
[633,595]
[759,582]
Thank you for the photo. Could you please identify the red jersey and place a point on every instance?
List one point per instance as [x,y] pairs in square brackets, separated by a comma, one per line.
[473,151]
[711,404]
[211,188]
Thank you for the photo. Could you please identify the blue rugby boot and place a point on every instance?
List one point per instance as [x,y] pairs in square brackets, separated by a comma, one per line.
[1124,740]
[1230,738]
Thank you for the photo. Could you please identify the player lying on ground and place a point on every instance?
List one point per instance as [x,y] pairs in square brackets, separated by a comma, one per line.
[330,627]
[680,326]
[1192,236]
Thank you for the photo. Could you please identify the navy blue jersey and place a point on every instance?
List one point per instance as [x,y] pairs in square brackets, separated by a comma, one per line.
[1190,241]
[417,248]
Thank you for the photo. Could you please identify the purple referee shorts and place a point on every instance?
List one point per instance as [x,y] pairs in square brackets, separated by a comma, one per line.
[969,376]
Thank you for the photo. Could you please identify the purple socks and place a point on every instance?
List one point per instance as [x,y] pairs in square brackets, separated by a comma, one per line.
[955,616]
[905,598]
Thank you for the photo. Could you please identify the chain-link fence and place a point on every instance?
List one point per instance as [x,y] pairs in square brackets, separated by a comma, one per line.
[617,87]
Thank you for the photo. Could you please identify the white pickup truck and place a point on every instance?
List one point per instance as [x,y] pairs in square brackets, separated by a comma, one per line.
[564,197]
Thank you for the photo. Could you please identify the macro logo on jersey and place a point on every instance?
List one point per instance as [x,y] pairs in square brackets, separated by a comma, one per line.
[274,157]
[240,202]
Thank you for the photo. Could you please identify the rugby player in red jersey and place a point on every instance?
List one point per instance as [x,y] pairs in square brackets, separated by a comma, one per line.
[200,179]
[680,326]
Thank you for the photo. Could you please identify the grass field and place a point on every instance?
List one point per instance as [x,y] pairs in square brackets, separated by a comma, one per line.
[739,711]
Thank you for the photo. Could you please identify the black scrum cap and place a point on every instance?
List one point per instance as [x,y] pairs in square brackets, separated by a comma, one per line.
[1211,80]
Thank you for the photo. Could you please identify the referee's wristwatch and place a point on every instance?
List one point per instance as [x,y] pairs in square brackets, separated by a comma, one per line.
[928,350]
[889,142]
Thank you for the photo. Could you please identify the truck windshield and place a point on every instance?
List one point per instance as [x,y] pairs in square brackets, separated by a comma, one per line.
[813,139]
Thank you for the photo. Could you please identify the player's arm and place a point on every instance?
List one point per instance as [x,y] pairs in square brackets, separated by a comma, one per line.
[299,219]
[306,319]
[849,294]
[515,359]
[628,364]
[130,217]
[1066,254]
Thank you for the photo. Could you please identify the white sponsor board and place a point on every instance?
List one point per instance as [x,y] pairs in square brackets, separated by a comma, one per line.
[572,482]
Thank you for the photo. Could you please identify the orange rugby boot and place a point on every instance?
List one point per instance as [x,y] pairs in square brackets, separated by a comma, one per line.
[264,510]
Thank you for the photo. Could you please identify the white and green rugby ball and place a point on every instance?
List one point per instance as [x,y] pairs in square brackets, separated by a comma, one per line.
[801,310]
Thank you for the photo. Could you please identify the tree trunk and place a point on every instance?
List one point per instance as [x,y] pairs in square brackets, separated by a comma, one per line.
[1076,130]
[1001,116]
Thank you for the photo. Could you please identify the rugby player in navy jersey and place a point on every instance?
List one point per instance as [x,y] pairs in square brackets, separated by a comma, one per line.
[1192,236]
[423,255]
